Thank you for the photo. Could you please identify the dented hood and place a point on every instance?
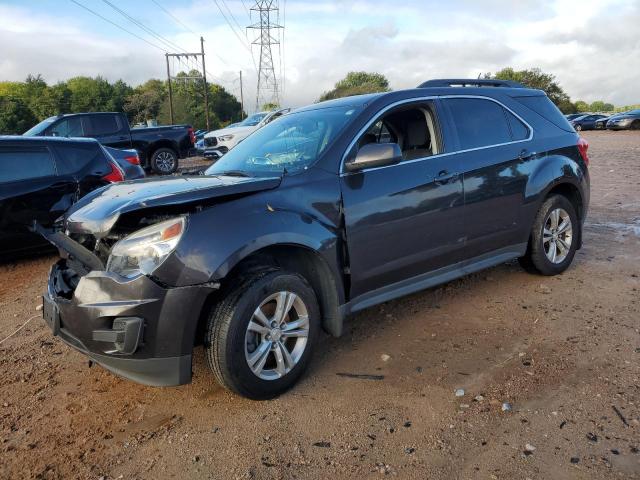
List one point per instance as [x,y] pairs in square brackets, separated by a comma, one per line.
[98,212]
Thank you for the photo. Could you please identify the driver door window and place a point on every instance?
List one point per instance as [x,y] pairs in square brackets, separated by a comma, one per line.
[412,128]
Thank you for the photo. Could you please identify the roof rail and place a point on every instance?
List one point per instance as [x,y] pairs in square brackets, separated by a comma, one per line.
[470,82]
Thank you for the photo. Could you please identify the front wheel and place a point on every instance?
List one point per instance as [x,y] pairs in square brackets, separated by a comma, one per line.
[554,237]
[260,336]
[578,128]
[164,161]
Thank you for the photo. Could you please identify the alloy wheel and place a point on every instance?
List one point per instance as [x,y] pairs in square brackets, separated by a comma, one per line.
[557,235]
[165,161]
[277,335]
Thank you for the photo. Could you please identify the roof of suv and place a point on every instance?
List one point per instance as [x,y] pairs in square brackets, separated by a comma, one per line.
[21,138]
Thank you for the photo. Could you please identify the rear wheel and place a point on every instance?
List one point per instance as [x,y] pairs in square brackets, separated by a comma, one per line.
[578,128]
[260,337]
[635,125]
[554,237]
[164,161]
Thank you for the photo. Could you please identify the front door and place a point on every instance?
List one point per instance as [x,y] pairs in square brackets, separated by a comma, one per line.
[403,220]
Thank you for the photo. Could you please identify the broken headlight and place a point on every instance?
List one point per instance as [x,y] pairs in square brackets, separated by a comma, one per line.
[143,251]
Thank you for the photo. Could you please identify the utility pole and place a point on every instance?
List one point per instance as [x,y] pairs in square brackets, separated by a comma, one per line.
[241,99]
[203,77]
[267,90]
[169,83]
[206,89]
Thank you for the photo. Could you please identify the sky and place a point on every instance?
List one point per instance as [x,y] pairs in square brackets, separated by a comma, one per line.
[591,46]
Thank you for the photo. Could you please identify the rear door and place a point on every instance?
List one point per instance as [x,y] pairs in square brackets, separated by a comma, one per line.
[30,189]
[403,220]
[493,150]
[109,129]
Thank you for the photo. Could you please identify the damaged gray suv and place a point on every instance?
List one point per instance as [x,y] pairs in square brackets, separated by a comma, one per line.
[326,211]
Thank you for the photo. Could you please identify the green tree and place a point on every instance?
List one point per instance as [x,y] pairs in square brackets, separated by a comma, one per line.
[536,78]
[188,103]
[268,107]
[582,106]
[15,116]
[600,106]
[357,83]
[145,101]
[90,94]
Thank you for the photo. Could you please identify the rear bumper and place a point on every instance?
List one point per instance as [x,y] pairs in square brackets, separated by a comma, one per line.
[89,319]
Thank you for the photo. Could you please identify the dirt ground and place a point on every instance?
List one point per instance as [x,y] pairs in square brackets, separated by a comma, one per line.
[564,352]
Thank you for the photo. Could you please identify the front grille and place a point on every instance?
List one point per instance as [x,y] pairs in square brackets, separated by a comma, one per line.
[211,141]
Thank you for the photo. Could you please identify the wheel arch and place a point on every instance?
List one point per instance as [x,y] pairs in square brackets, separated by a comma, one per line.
[293,257]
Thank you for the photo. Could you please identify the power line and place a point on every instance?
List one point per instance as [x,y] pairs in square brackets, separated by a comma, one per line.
[167,42]
[174,17]
[232,17]
[245,7]
[118,26]
[231,26]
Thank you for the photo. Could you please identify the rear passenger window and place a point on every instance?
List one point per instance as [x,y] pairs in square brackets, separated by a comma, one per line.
[74,158]
[69,127]
[25,163]
[103,125]
[479,122]
[519,131]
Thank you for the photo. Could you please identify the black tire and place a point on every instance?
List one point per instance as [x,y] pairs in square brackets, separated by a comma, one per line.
[225,337]
[635,125]
[578,128]
[164,161]
[535,259]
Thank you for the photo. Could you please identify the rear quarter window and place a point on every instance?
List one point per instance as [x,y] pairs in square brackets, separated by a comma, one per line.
[519,131]
[17,163]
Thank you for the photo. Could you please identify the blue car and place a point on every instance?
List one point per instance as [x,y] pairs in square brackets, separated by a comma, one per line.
[586,122]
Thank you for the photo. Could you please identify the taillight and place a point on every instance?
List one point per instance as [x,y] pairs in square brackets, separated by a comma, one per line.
[116,174]
[192,136]
[583,146]
[133,159]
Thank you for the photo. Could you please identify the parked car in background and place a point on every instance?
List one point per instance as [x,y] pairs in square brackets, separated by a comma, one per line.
[572,116]
[331,209]
[625,121]
[159,148]
[219,142]
[601,124]
[587,122]
[40,178]
[128,160]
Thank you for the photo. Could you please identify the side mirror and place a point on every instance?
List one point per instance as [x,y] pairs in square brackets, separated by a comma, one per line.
[374,155]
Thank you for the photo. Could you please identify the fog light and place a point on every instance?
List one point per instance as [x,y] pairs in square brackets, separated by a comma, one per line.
[125,335]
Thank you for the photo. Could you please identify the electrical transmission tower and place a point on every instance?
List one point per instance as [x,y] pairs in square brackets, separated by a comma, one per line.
[268,16]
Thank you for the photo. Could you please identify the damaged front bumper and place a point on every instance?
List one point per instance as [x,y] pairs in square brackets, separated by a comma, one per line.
[133,327]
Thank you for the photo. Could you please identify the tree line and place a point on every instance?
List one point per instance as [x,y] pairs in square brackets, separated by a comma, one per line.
[23,104]
[356,83]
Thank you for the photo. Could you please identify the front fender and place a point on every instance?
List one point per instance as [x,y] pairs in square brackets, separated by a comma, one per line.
[217,239]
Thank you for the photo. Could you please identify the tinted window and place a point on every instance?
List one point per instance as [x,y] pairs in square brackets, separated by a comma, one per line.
[519,130]
[74,158]
[69,127]
[103,125]
[545,108]
[25,163]
[479,122]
